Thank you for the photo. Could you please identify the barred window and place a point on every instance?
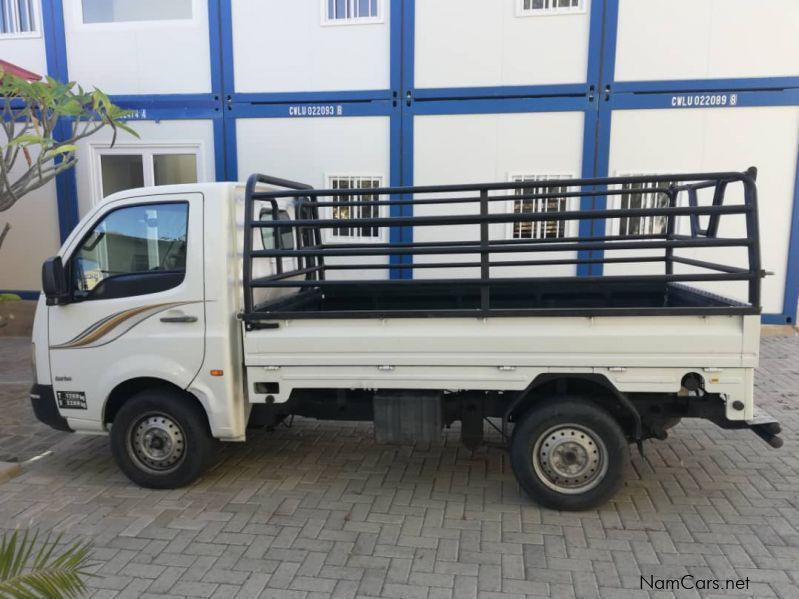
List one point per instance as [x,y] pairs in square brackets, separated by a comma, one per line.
[643,225]
[545,7]
[542,229]
[347,208]
[338,11]
[18,17]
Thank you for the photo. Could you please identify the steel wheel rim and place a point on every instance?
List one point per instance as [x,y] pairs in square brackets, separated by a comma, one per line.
[570,459]
[157,442]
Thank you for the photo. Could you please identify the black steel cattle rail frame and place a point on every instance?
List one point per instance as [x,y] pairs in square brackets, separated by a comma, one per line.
[310,251]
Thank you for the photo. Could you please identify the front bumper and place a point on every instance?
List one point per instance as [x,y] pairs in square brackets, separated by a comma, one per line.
[46,409]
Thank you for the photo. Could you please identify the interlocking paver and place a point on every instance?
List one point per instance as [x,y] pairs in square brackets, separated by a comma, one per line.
[320,511]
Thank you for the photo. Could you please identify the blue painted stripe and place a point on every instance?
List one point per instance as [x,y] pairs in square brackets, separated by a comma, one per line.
[590,124]
[396,234]
[196,101]
[776,319]
[501,92]
[601,167]
[220,161]
[231,149]
[732,99]
[24,294]
[318,96]
[792,274]
[563,104]
[408,48]
[596,37]
[225,16]
[56,56]
[688,85]
[310,110]
[215,47]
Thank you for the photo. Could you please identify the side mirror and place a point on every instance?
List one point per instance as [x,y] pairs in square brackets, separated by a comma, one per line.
[54,281]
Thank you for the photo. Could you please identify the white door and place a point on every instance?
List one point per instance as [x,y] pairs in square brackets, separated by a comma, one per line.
[137,308]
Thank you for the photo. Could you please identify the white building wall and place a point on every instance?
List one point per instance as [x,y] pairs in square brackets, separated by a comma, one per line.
[468,43]
[145,57]
[451,149]
[310,150]
[707,39]
[720,139]
[283,46]
[33,237]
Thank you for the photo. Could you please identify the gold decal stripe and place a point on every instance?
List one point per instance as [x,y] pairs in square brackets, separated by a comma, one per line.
[108,324]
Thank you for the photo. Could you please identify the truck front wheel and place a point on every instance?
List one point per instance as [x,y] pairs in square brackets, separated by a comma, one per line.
[160,439]
[569,455]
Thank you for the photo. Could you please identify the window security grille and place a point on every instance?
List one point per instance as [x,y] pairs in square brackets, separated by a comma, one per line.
[346,211]
[549,229]
[550,6]
[352,10]
[17,17]
[643,225]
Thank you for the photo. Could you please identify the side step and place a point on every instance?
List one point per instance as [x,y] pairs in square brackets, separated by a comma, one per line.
[403,417]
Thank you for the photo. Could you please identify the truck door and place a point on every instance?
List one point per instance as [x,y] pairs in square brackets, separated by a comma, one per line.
[137,303]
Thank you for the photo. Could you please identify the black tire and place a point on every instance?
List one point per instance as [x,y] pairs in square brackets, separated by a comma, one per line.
[580,453]
[169,418]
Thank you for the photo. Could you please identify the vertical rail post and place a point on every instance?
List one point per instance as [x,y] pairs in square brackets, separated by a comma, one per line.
[670,228]
[753,233]
[247,250]
[485,300]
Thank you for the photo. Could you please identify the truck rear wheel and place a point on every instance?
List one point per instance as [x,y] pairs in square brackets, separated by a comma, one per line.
[569,455]
[160,439]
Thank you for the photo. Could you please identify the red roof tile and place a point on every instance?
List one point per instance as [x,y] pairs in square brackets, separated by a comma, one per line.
[19,71]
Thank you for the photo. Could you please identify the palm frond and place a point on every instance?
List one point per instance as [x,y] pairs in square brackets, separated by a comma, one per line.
[31,572]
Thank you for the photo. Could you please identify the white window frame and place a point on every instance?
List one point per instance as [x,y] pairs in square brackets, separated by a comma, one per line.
[550,12]
[135,25]
[613,227]
[328,22]
[572,203]
[146,150]
[328,235]
[37,24]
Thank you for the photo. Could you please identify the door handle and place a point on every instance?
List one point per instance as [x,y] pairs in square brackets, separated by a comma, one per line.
[178,319]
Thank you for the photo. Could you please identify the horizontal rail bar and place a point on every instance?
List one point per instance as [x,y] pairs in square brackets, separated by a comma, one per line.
[563,262]
[513,280]
[495,218]
[390,250]
[731,177]
[466,312]
[476,199]
[709,265]
[466,243]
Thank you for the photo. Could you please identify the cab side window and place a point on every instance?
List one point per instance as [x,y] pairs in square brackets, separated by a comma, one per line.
[132,251]
[286,234]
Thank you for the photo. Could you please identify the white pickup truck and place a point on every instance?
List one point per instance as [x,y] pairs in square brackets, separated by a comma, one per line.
[173,316]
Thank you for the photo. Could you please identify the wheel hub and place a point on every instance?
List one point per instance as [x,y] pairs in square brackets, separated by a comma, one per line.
[157,442]
[570,459]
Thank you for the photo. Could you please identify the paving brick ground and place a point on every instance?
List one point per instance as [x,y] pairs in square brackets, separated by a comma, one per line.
[320,511]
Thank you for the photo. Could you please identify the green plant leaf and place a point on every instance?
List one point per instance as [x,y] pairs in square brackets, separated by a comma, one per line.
[28,138]
[28,571]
